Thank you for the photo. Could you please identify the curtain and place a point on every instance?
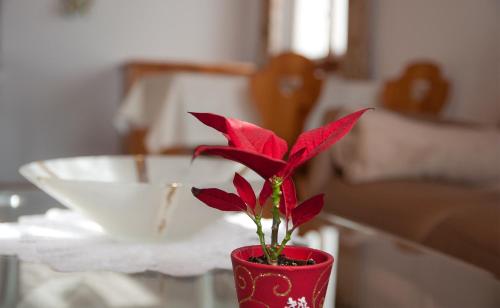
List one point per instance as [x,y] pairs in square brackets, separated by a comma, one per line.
[276,27]
[356,62]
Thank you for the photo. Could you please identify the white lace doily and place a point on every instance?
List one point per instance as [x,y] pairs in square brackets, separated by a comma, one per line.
[66,241]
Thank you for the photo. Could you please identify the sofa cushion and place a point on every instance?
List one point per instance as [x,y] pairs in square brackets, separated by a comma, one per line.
[386,145]
[425,212]
[472,234]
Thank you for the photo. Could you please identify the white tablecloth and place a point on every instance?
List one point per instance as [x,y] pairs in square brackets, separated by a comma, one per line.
[160,103]
[68,242]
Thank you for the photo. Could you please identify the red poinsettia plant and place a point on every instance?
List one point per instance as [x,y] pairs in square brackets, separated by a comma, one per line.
[263,151]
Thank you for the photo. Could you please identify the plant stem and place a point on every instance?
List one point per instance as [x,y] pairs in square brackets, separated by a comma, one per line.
[283,243]
[276,196]
[262,239]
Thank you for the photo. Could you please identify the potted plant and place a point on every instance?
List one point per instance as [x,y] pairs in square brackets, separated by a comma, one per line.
[273,274]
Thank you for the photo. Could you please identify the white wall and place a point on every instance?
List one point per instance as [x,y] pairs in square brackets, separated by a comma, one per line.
[60,82]
[462,35]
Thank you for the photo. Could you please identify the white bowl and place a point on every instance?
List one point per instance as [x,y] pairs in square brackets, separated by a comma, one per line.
[136,197]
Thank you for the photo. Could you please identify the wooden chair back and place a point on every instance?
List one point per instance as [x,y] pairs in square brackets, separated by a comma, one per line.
[284,92]
[420,90]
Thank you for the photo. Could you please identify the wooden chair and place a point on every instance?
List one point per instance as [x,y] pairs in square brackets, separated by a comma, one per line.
[284,92]
[420,90]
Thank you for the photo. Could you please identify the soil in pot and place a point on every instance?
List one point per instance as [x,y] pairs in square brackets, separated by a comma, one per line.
[283,260]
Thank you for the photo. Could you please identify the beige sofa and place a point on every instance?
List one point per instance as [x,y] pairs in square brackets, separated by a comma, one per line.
[460,219]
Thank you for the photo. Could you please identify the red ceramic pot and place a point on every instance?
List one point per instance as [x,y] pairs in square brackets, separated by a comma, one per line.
[259,285]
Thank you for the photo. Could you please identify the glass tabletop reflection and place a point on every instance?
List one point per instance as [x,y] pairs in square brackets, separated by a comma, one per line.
[372,269]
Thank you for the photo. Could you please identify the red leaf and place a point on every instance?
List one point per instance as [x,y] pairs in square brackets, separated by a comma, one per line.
[213,120]
[288,198]
[244,190]
[266,191]
[263,165]
[275,147]
[219,199]
[307,210]
[317,140]
[293,161]
[244,135]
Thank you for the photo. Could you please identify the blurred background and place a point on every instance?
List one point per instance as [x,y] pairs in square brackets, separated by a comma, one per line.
[61,62]
[415,186]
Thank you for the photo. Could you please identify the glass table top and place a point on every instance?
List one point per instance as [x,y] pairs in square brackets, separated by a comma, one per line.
[372,269]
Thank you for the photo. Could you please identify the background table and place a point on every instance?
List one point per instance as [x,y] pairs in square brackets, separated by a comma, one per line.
[160,104]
